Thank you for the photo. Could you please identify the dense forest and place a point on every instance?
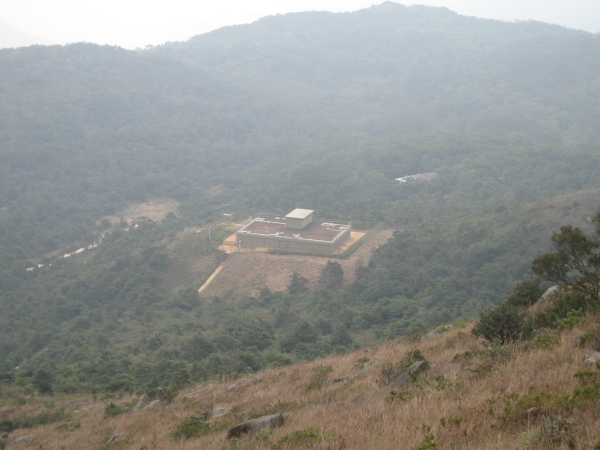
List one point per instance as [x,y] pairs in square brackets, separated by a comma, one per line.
[314,110]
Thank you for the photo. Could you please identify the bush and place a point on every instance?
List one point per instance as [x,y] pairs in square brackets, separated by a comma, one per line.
[544,341]
[527,293]
[307,438]
[504,323]
[191,427]
[320,376]
[112,410]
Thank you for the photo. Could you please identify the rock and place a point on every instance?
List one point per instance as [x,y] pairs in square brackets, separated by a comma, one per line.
[112,438]
[236,386]
[340,379]
[577,338]
[252,426]
[28,438]
[152,404]
[591,356]
[367,367]
[549,291]
[142,402]
[163,394]
[215,411]
[430,335]
[406,376]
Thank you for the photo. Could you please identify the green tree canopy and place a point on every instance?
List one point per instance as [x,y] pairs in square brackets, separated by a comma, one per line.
[576,261]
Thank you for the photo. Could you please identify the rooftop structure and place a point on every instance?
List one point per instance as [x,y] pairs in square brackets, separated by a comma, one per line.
[296,231]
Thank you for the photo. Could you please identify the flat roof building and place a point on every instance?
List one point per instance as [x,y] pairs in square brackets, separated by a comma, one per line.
[296,231]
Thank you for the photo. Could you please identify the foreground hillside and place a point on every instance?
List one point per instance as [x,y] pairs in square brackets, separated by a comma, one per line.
[539,394]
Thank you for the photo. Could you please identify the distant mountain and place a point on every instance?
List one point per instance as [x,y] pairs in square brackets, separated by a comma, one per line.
[13,38]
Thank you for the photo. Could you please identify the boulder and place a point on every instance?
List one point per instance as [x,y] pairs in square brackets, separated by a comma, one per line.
[576,340]
[215,411]
[237,386]
[406,376]
[549,291]
[430,335]
[367,367]
[21,440]
[152,404]
[591,356]
[254,425]
[142,402]
[338,379]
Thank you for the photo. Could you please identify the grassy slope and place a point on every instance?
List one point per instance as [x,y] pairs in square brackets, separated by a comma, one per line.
[470,400]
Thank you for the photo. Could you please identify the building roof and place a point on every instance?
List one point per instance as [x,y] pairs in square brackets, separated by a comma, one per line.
[299,214]
[275,227]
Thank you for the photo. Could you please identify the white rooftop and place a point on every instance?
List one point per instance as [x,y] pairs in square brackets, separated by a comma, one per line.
[299,214]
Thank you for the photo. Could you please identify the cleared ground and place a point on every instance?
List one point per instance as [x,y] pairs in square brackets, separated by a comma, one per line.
[155,209]
[246,273]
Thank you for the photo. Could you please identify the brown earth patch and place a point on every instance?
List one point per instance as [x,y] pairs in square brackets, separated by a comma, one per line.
[247,273]
[155,209]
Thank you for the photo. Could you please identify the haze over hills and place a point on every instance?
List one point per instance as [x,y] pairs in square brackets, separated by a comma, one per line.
[312,110]
[11,38]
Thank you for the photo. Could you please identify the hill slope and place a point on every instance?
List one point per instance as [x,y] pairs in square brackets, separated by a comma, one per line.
[507,397]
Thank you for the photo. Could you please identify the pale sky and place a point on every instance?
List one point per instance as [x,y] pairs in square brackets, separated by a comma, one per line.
[137,23]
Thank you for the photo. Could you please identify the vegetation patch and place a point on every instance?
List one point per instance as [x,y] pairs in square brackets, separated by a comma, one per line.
[113,410]
[306,438]
[320,376]
[26,421]
[390,371]
[191,427]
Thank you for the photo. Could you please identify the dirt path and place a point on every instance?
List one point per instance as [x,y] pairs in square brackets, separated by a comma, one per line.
[212,277]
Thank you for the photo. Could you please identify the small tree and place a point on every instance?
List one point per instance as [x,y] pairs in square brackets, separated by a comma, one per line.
[332,275]
[504,323]
[298,284]
[576,261]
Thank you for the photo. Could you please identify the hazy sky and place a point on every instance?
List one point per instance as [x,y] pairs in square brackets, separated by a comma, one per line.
[136,23]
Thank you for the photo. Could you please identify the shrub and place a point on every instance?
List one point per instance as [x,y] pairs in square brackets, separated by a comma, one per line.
[556,431]
[320,376]
[544,341]
[428,443]
[401,396]
[572,319]
[112,410]
[301,438]
[504,323]
[191,427]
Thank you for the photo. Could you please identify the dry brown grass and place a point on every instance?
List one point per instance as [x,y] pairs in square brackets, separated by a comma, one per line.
[462,411]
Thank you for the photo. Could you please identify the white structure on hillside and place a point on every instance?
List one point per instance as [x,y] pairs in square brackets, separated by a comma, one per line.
[419,177]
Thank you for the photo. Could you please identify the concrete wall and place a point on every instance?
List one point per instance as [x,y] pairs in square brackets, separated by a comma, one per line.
[254,241]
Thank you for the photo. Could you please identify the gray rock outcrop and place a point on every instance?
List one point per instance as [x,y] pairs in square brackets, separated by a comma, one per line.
[142,402]
[549,291]
[576,340]
[237,386]
[406,376]
[215,411]
[254,425]
[367,367]
[29,437]
[591,356]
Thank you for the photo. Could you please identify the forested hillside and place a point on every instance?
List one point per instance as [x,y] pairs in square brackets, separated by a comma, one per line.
[314,110]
